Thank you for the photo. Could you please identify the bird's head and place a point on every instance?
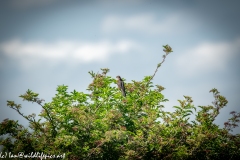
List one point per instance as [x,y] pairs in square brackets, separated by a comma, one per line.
[118,77]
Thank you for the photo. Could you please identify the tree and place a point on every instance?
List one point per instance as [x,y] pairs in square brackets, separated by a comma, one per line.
[106,125]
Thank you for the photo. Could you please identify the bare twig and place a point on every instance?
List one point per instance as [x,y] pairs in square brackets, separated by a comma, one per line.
[167,49]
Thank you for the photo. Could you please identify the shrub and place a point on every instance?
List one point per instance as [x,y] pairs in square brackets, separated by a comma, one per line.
[106,125]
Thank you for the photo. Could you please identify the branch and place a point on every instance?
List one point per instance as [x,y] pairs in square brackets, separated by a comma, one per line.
[50,119]
[17,107]
[167,49]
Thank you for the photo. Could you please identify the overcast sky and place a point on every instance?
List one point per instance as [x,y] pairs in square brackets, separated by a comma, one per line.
[48,43]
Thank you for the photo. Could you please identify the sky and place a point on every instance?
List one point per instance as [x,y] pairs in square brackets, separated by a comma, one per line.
[48,43]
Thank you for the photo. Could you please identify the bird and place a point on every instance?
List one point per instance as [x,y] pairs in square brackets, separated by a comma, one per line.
[121,86]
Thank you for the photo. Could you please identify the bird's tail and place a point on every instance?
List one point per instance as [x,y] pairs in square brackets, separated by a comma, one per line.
[123,93]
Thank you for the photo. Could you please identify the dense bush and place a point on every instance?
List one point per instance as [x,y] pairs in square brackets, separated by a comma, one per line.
[105,125]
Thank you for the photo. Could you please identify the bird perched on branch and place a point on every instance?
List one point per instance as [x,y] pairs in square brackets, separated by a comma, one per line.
[120,84]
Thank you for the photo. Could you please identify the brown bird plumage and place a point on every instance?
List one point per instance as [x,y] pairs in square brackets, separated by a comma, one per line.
[121,86]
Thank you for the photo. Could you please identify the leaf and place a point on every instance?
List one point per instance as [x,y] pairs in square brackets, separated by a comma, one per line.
[185,115]
[188,111]
[177,107]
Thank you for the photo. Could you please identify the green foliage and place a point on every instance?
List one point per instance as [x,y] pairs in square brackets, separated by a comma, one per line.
[106,125]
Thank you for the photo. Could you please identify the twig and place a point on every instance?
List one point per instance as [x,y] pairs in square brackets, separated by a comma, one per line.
[167,49]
